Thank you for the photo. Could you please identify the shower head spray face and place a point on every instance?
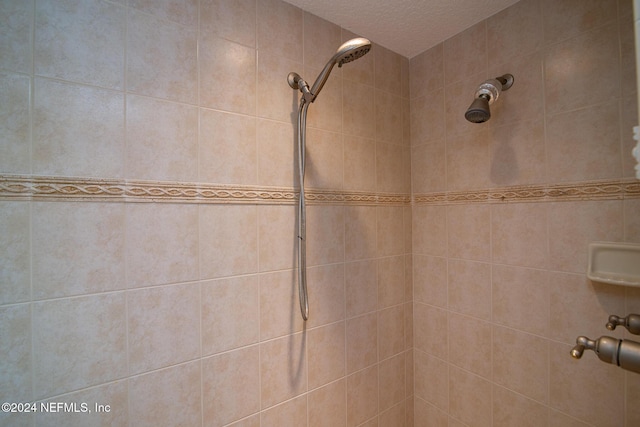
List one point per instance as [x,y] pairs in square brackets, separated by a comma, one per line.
[479,111]
[352,50]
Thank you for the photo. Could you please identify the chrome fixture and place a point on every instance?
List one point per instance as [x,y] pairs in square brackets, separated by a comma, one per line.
[631,322]
[486,94]
[623,353]
[347,52]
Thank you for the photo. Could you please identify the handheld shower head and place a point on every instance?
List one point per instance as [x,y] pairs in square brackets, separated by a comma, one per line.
[347,52]
[486,94]
[352,50]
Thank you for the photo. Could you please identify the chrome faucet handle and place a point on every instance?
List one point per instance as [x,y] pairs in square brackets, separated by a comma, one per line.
[631,322]
[582,343]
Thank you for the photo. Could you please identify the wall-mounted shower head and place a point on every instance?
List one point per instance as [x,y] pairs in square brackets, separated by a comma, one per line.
[347,52]
[486,94]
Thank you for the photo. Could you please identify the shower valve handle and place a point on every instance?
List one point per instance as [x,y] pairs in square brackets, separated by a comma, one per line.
[631,322]
[582,343]
[622,353]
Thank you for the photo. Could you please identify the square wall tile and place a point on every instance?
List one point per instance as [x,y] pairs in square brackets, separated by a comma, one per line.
[293,412]
[14,123]
[515,31]
[466,333]
[465,53]
[115,395]
[390,226]
[325,234]
[224,379]
[393,168]
[358,109]
[391,271]
[15,252]
[235,21]
[470,398]
[326,294]
[573,225]
[279,304]
[78,248]
[566,18]
[391,332]
[327,111]
[388,119]
[225,301]
[388,70]
[162,244]
[362,396]
[326,354]
[360,287]
[15,365]
[324,168]
[519,234]
[518,153]
[228,240]
[430,280]
[520,363]
[274,97]
[77,130]
[327,405]
[470,288]
[81,41]
[184,12]
[428,117]
[169,396]
[162,140]
[163,326]
[227,75]
[426,72]
[582,62]
[590,137]
[521,299]
[512,409]
[469,230]
[430,230]
[428,167]
[432,380]
[278,231]
[283,369]
[161,58]
[276,149]
[15,39]
[391,376]
[227,148]
[362,342]
[280,27]
[360,232]
[431,330]
[78,343]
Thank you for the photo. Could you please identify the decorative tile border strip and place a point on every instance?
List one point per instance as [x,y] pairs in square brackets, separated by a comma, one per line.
[20,187]
[593,190]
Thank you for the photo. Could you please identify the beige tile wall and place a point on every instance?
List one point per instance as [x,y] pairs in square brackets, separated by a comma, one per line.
[500,288]
[184,313]
[187,313]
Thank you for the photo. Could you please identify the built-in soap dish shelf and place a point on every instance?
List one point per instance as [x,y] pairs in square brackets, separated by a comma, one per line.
[614,263]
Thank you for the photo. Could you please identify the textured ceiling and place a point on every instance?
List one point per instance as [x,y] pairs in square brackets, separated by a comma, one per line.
[407,27]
